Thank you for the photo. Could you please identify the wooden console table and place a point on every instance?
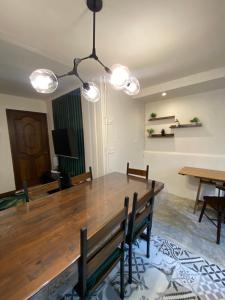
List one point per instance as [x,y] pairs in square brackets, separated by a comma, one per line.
[206,176]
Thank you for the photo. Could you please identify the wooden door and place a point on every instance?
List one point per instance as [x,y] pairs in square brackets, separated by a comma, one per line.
[29,145]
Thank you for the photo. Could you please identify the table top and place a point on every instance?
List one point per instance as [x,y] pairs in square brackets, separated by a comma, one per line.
[203,173]
[40,239]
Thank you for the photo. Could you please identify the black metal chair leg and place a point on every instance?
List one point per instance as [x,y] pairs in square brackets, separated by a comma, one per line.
[219,227]
[202,211]
[122,277]
[148,240]
[130,263]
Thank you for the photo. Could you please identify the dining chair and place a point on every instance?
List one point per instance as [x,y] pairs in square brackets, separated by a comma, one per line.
[217,203]
[82,177]
[138,172]
[12,201]
[41,190]
[100,253]
[140,219]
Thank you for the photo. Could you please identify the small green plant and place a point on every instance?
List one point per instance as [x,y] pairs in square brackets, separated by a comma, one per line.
[195,120]
[153,115]
[150,131]
[178,122]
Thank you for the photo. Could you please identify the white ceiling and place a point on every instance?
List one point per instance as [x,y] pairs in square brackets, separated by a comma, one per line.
[159,40]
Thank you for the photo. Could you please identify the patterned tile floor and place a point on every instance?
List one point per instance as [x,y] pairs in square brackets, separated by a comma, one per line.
[171,273]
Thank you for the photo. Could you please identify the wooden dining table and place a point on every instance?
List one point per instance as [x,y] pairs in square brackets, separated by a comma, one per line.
[41,239]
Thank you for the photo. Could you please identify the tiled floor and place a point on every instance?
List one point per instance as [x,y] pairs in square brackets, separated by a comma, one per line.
[174,219]
[171,273]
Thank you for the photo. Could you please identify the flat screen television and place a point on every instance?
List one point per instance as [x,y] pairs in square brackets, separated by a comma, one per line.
[65,142]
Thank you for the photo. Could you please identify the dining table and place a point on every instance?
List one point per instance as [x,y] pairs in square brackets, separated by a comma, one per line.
[40,240]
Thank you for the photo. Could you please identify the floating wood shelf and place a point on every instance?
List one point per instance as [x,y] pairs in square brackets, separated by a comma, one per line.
[162,118]
[159,135]
[186,125]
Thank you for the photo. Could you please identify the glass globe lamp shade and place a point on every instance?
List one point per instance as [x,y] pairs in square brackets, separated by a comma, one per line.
[132,87]
[92,94]
[44,81]
[119,76]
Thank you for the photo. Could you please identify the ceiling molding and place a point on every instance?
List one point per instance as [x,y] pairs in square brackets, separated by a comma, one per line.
[214,79]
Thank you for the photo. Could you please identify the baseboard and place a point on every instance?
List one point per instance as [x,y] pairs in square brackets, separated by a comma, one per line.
[7,194]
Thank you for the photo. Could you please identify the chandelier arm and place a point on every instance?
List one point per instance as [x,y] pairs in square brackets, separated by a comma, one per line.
[103,65]
[64,75]
[76,62]
[78,76]
[86,57]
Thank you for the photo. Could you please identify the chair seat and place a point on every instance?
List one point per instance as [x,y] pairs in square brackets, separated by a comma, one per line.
[217,203]
[11,201]
[94,278]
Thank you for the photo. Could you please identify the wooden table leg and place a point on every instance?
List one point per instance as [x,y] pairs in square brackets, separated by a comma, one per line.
[197,196]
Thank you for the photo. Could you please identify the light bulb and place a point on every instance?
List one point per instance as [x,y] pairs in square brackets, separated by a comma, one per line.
[92,94]
[119,76]
[132,87]
[44,81]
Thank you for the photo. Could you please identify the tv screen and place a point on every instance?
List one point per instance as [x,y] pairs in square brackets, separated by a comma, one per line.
[65,142]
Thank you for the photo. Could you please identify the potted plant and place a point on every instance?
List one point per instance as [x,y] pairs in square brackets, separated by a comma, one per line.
[150,131]
[195,120]
[153,115]
[163,132]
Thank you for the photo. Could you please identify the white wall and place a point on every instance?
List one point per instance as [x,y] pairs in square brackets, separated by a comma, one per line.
[7,182]
[113,131]
[124,125]
[198,147]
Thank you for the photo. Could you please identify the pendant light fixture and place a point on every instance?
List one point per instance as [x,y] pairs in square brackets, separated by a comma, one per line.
[45,81]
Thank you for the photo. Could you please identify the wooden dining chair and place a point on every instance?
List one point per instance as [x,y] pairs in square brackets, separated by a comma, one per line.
[138,172]
[82,177]
[217,203]
[141,219]
[40,191]
[101,252]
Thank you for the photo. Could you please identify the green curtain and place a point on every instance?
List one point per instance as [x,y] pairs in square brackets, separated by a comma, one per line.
[67,113]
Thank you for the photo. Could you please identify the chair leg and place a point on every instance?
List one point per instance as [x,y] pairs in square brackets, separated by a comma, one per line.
[122,277]
[219,227]
[82,297]
[130,263]
[202,211]
[148,240]
[197,196]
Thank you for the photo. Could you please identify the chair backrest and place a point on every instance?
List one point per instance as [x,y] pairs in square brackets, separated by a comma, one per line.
[82,177]
[138,172]
[40,191]
[141,211]
[96,249]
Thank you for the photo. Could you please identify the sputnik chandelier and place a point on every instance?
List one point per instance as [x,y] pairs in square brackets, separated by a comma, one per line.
[46,82]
